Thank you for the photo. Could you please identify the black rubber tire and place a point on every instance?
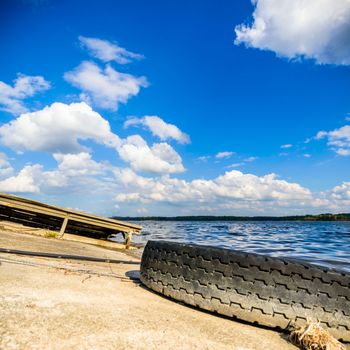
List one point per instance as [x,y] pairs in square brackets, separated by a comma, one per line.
[268,291]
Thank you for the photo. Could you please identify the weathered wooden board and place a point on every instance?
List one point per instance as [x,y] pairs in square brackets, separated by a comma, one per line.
[29,211]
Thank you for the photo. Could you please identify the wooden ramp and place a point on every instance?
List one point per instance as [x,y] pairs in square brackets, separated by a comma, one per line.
[37,214]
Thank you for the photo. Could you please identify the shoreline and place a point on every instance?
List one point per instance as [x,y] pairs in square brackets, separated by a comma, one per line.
[228,220]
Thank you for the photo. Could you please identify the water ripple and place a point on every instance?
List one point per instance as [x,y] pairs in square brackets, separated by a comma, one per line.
[323,243]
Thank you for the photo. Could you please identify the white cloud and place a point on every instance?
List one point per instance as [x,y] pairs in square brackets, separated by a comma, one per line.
[107,88]
[74,173]
[80,173]
[77,164]
[343,152]
[160,128]
[232,186]
[128,178]
[160,158]
[108,51]
[128,197]
[57,128]
[288,145]
[221,155]
[204,158]
[24,182]
[338,139]
[11,97]
[250,159]
[233,193]
[5,166]
[142,211]
[235,165]
[307,155]
[341,192]
[335,200]
[315,29]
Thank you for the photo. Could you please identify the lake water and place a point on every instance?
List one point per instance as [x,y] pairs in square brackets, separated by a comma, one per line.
[323,243]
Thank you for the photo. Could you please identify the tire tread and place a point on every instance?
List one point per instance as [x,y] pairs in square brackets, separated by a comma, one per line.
[272,292]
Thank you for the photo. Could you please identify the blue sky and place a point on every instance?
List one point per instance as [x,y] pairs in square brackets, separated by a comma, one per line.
[177,107]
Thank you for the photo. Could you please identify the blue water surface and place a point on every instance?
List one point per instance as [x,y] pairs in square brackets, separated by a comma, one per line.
[322,243]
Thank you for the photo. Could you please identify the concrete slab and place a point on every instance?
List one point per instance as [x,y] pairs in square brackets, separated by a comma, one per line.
[51,304]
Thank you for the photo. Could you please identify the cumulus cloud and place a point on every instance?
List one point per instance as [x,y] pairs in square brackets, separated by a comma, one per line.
[160,158]
[314,29]
[232,186]
[79,172]
[77,164]
[288,145]
[335,200]
[233,193]
[341,192]
[108,51]
[74,172]
[24,181]
[107,87]
[11,97]
[57,129]
[5,166]
[338,139]
[159,128]
[225,154]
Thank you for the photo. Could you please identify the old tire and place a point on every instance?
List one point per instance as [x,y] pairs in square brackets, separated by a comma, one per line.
[268,291]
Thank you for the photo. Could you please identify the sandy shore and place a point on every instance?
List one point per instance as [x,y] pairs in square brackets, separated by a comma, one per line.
[58,304]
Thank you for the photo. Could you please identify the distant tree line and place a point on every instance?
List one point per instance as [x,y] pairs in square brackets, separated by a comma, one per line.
[319,217]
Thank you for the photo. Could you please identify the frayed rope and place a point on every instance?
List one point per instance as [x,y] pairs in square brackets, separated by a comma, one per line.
[313,337]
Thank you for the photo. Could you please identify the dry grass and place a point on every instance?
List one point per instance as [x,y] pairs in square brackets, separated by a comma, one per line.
[313,337]
[51,234]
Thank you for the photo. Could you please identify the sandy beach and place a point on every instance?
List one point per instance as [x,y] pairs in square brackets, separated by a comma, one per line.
[59,304]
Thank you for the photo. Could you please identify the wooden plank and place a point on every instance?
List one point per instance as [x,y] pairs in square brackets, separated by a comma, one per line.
[127,239]
[45,209]
[28,207]
[118,225]
[64,225]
